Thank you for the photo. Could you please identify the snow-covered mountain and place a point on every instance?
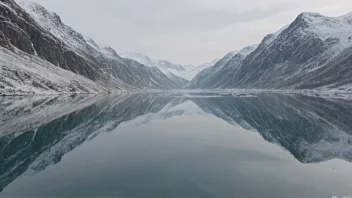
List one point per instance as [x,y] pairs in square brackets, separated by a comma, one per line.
[34,31]
[187,72]
[295,56]
[311,42]
[171,70]
[195,70]
[214,76]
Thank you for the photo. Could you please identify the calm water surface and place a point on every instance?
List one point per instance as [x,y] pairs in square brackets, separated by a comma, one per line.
[174,145]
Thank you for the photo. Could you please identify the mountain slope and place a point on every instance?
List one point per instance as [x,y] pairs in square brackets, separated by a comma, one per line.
[222,71]
[337,74]
[23,74]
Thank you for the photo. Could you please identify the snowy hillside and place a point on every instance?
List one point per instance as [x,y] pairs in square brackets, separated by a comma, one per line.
[23,74]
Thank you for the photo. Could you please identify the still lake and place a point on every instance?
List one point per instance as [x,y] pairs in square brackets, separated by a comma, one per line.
[164,145]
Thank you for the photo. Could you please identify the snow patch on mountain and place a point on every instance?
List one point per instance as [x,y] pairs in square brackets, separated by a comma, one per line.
[168,68]
[23,74]
[329,27]
[52,22]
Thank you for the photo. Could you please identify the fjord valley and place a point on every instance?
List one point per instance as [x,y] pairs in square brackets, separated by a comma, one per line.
[79,118]
[42,55]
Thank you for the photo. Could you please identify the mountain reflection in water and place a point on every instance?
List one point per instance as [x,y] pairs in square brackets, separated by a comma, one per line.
[37,132]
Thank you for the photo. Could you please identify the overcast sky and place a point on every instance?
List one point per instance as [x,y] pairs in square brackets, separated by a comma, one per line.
[185,31]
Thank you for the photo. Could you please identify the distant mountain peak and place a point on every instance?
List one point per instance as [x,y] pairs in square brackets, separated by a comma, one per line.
[187,72]
[326,28]
[310,15]
[36,9]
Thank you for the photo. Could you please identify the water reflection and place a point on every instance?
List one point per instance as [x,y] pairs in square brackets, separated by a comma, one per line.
[37,132]
[29,142]
[312,129]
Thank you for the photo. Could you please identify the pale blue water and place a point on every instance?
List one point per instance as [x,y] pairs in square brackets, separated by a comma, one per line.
[158,145]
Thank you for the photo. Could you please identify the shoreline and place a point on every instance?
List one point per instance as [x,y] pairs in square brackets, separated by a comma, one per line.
[333,93]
